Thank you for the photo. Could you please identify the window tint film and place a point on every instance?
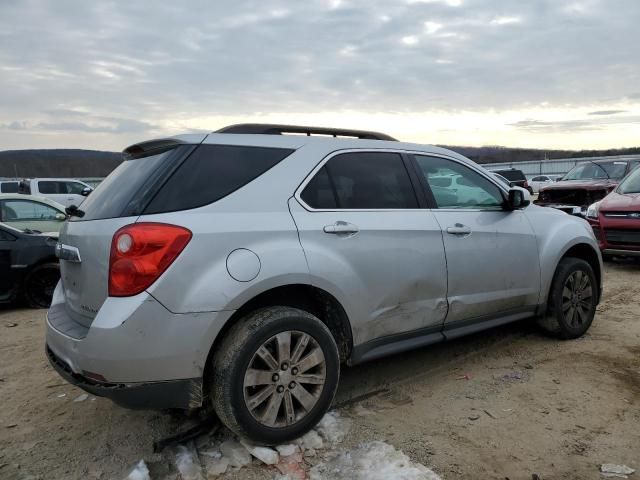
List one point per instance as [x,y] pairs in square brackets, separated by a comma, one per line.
[319,193]
[467,189]
[212,172]
[9,187]
[127,184]
[49,186]
[371,180]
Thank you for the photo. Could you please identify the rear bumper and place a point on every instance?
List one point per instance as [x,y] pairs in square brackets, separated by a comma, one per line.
[182,394]
[577,210]
[135,351]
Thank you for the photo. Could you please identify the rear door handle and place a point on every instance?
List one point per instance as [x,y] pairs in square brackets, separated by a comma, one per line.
[341,228]
[459,229]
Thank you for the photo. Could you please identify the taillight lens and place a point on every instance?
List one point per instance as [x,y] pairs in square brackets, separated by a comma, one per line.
[140,253]
[526,184]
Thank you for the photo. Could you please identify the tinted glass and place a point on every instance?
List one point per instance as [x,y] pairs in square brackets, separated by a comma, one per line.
[49,186]
[128,182]
[6,236]
[512,174]
[371,180]
[318,193]
[212,172]
[539,179]
[468,189]
[19,210]
[9,187]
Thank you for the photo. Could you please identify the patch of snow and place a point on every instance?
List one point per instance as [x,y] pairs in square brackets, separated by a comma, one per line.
[188,463]
[236,453]
[81,398]
[333,428]
[286,450]
[371,461]
[139,472]
[264,454]
[310,440]
[613,470]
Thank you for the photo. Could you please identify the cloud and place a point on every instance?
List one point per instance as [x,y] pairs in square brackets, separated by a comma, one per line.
[607,112]
[72,65]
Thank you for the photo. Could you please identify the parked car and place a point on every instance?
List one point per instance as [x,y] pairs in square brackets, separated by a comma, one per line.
[502,179]
[65,191]
[28,266]
[540,181]
[240,269]
[30,212]
[616,218]
[516,177]
[585,184]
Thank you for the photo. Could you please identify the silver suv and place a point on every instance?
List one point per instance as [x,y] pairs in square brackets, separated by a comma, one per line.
[240,269]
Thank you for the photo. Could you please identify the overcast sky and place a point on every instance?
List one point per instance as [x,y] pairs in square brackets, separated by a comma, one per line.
[537,73]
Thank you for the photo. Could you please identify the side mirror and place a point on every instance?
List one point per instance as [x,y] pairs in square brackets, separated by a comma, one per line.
[61,216]
[518,198]
[86,191]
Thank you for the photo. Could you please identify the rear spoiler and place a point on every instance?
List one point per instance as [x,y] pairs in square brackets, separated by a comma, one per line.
[152,147]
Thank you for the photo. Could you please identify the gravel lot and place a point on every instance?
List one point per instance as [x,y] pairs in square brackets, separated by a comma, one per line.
[506,403]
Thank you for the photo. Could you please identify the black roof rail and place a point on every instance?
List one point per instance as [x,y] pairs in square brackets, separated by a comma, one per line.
[273,129]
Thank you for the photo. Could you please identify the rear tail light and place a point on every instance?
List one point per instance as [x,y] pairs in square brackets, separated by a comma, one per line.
[140,253]
[526,184]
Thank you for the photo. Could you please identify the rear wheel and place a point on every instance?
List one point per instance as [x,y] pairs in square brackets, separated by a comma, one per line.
[40,283]
[275,375]
[572,299]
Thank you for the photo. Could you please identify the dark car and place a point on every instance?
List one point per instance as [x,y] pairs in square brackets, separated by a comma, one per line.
[586,183]
[616,218]
[28,266]
[515,177]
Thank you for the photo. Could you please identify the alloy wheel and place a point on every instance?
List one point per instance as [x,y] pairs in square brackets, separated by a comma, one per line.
[577,298]
[284,379]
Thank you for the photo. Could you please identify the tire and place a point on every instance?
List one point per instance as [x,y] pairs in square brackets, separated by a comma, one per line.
[245,387]
[572,300]
[40,283]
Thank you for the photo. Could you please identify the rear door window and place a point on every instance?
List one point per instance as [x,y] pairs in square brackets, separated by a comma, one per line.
[362,180]
[212,172]
[49,186]
[9,187]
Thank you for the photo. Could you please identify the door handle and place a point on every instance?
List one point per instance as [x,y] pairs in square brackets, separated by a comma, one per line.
[459,229]
[341,228]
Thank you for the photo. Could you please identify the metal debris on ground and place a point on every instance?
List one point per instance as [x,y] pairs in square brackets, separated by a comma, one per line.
[81,398]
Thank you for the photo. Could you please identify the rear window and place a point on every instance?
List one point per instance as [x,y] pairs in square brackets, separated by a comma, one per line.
[129,187]
[511,174]
[212,172]
[9,187]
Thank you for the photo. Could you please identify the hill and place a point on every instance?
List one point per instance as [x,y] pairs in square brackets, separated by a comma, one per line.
[57,163]
[93,163]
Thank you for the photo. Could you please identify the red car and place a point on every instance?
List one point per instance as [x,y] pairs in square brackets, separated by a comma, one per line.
[585,184]
[616,218]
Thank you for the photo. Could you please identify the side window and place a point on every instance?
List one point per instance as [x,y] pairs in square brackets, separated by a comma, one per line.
[362,180]
[48,187]
[6,236]
[73,188]
[539,179]
[468,189]
[9,187]
[20,210]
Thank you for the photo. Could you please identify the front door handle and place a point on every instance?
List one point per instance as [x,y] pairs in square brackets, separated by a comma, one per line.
[459,229]
[341,228]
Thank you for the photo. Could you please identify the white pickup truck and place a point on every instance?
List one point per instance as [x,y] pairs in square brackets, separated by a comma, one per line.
[66,191]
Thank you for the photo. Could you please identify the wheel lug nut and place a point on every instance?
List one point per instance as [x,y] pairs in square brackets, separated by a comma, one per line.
[275,377]
[280,389]
[284,366]
[292,385]
[294,371]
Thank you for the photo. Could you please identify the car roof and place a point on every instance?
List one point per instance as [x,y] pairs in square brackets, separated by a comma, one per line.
[34,198]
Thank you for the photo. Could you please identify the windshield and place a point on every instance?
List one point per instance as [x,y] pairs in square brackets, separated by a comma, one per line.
[595,171]
[631,184]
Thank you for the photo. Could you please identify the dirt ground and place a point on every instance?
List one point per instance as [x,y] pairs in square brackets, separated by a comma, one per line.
[506,403]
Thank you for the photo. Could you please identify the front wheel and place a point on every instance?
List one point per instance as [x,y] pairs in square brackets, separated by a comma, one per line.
[275,375]
[572,299]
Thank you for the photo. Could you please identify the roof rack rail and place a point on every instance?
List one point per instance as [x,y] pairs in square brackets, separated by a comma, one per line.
[273,129]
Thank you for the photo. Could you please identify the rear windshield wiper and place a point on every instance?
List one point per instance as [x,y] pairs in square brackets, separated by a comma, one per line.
[31,231]
[74,211]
